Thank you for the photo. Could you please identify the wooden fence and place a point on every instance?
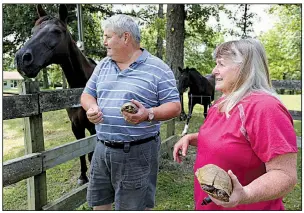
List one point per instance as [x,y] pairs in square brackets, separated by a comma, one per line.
[30,105]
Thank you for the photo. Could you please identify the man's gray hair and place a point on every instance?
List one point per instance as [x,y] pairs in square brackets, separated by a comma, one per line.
[123,23]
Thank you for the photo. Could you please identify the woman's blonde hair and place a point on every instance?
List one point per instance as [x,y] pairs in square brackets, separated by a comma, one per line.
[250,55]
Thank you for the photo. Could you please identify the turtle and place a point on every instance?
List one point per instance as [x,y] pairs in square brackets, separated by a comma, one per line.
[129,107]
[215,181]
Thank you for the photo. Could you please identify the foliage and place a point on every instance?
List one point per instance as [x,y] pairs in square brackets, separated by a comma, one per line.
[201,39]
[244,22]
[55,75]
[199,55]
[283,42]
[92,15]
[8,64]
[149,31]
[197,19]
[18,20]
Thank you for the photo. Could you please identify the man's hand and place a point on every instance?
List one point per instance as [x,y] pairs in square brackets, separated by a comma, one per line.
[140,116]
[94,114]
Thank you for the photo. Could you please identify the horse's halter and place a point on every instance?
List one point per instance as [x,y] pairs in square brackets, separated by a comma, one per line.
[185,83]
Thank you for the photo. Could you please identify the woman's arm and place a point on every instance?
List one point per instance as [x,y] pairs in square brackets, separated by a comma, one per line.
[279,179]
[181,147]
[193,139]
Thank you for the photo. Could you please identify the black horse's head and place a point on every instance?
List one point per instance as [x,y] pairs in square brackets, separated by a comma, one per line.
[47,45]
[184,79]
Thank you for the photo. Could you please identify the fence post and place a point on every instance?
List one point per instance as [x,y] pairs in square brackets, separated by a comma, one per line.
[170,132]
[34,142]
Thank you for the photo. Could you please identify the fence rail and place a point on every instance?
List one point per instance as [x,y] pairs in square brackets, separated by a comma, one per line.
[34,164]
[27,105]
[287,84]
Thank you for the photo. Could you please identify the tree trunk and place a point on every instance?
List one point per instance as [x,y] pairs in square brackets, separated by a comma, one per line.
[175,36]
[64,81]
[245,22]
[159,43]
[46,84]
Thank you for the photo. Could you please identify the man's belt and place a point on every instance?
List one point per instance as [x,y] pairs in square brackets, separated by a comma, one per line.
[126,145]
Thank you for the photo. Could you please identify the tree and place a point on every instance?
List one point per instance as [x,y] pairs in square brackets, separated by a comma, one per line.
[152,28]
[246,21]
[283,42]
[199,55]
[19,19]
[175,36]
[45,78]
[242,17]
[202,38]
[159,43]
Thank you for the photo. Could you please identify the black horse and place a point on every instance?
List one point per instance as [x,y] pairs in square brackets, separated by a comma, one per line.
[201,91]
[51,43]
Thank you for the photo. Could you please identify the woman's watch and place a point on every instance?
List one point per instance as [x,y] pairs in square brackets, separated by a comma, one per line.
[150,114]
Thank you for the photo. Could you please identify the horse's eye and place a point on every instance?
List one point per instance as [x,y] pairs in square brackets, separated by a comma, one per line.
[52,40]
[57,31]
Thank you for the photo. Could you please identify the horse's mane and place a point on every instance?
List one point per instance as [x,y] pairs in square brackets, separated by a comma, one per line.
[92,60]
[198,75]
[42,19]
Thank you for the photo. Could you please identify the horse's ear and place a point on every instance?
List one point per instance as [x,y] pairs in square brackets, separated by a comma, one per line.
[180,69]
[40,11]
[63,13]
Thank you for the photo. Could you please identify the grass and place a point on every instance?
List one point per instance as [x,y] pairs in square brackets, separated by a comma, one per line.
[292,102]
[175,181]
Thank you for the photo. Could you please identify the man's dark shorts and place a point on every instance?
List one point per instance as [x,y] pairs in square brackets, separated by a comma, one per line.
[127,179]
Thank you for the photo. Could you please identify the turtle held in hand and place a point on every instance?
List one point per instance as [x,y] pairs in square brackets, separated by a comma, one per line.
[129,107]
[215,181]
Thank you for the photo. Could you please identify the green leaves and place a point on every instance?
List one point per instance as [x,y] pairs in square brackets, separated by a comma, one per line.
[283,42]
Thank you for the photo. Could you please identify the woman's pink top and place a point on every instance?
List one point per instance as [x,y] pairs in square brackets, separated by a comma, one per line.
[259,128]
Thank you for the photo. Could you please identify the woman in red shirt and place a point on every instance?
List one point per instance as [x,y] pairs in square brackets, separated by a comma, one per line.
[248,132]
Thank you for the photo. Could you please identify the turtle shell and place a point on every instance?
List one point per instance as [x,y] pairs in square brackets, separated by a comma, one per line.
[215,181]
[129,107]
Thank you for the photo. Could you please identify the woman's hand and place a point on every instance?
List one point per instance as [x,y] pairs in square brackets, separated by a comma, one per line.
[181,148]
[238,194]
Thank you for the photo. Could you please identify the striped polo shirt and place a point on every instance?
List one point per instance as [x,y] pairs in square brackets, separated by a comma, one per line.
[148,80]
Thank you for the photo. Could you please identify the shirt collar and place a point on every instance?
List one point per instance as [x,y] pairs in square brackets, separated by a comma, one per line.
[142,58]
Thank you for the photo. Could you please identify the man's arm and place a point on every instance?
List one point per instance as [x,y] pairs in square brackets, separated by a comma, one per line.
[89,104]
[87,101]
[167,111]
[163,112]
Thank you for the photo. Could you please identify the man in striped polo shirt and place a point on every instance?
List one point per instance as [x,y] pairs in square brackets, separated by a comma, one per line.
[125,162]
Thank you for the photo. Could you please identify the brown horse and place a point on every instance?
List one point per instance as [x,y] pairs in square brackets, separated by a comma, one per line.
[51,43]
